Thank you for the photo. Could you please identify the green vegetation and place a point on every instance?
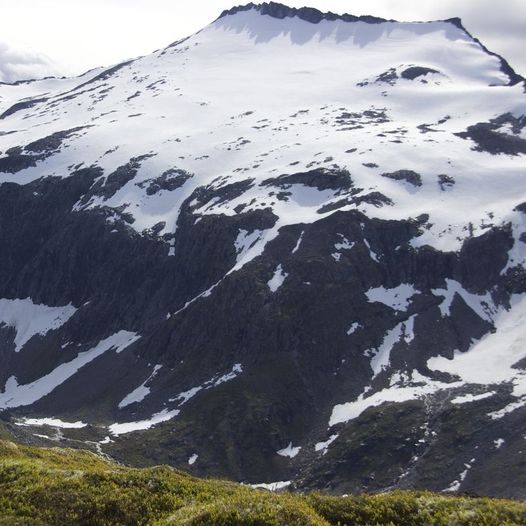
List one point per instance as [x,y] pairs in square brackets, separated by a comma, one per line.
[40,486]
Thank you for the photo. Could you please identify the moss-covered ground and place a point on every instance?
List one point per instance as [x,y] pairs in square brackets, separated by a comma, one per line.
[53,486]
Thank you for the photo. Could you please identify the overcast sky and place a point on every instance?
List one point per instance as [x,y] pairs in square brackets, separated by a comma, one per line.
[67,37]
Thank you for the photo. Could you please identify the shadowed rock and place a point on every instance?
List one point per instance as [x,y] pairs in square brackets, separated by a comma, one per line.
[416,71]
[409,176]
[322,179]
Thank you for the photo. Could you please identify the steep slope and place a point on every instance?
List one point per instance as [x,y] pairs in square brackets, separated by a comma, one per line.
[291,246]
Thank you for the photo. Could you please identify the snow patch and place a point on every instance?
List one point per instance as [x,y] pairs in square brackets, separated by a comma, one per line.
[29,319]
[465,399]
[491,360]
[141,425]
[418,387]
[497,415]
[139,394]
[237,369]
[186,395]
[51,422]
[290,451]
[499,443]
[397,298]
[344,244]
[272,486]
[324,446]
[217,380]
[381,357]
[455,485]
[277,279]
[374,255]
[245,241]
[481,304]
[353,328]
[297,246]
[15,395]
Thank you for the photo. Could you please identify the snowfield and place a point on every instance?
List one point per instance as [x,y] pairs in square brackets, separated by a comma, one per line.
[213,108]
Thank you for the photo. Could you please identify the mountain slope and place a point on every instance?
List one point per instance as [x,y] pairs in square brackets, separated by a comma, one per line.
[289,247]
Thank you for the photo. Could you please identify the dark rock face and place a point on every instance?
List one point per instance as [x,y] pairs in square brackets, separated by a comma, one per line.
[416,71]
[308,14]
[488,139]
[15,160]
[297,356]
[24,105]
[409,176]
[445,182]
[373,198]
[19,158]
[122,175]
[300,330]
[322,179]
[388,77]
[52,143]
[422,455]
[109,186]
[105,74]
[220,193]
[391,76]
[170,180]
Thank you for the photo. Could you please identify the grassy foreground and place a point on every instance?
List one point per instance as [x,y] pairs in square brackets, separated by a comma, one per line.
[64,487]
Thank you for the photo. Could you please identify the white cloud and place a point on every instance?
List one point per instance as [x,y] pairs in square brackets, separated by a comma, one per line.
[498,25]
[17,64]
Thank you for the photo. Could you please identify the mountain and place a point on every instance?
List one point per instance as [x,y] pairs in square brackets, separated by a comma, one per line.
[290,247]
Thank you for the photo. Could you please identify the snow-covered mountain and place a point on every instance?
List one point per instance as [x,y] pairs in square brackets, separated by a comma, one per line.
[289,247]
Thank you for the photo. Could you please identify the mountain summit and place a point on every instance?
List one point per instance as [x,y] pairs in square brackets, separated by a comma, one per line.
[290,247]
[314,16]
[308,14]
